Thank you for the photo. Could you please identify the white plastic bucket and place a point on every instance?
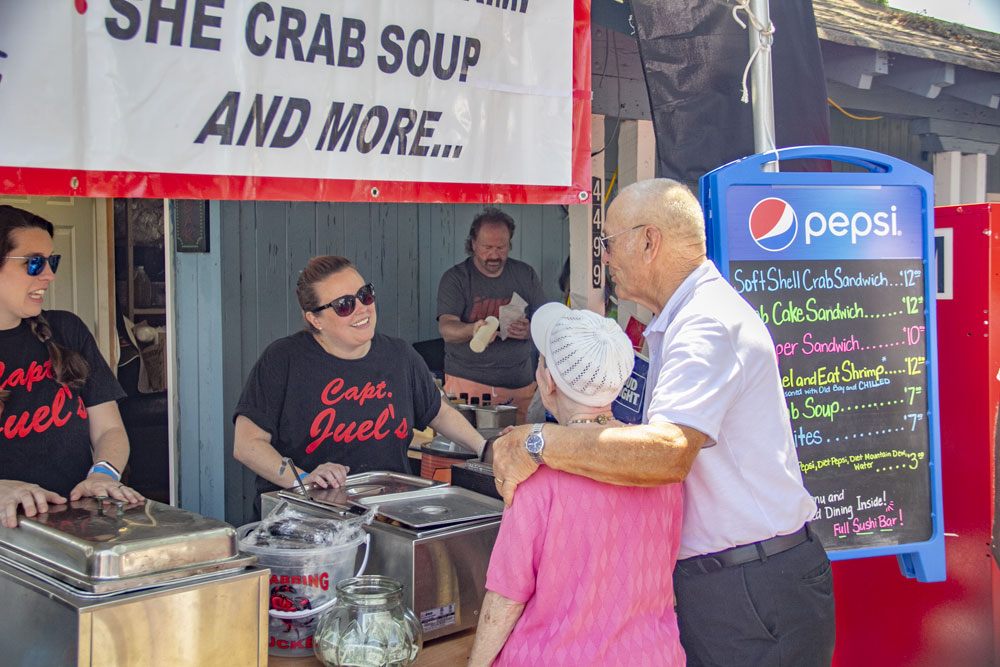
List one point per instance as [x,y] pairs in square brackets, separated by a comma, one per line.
[303,585]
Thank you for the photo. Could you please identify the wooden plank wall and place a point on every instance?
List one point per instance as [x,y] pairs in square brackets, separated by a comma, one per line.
[202,465]
[889,135]
[403,249]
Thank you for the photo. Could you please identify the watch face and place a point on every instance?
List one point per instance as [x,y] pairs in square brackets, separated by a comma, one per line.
[534,443]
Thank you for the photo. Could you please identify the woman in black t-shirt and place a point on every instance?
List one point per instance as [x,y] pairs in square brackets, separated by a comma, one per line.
[60,431]
[337,397]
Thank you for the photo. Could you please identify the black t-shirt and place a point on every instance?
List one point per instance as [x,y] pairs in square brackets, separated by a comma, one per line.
[44,429]
[471,296]
[356,412]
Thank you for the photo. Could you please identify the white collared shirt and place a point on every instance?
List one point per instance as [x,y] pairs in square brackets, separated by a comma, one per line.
[713,368]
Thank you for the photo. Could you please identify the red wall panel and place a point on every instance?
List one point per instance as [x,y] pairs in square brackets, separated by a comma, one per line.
[883,618]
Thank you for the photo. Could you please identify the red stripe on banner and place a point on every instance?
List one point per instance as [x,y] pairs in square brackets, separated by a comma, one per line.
[80,183]
[76,183]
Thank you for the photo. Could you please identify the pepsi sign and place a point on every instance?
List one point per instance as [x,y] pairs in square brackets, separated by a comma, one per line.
[798,222]
[861,224]
[837,265]
[773,225]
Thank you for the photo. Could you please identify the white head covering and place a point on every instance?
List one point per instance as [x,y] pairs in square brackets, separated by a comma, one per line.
[589,356]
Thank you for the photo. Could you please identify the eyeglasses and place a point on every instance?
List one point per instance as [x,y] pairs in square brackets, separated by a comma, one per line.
[603,240]
[36,263]
[344,305]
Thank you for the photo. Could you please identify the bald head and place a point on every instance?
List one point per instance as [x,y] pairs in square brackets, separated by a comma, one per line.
[655,239]
[668,205]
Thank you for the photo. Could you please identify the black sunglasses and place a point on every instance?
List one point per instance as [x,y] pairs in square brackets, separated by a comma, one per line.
[36,263]
[344,305]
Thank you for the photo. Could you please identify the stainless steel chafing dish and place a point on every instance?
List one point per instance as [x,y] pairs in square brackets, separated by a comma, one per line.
[129,584]
[435,539]
[358,486]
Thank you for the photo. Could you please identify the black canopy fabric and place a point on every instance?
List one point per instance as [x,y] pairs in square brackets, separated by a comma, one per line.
[694,54]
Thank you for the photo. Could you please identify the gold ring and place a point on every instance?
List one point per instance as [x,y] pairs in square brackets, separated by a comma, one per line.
[501,482]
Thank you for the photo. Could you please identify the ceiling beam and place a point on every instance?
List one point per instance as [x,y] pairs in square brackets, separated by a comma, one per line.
[920,77]
[973,131]
[940,136]
[976,86]
[884,100]
[853,66]
[934,143]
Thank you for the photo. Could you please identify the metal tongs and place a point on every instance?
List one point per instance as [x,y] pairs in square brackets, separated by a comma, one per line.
[287,463]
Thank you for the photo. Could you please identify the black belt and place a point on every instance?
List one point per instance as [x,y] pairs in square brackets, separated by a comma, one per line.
[745,553]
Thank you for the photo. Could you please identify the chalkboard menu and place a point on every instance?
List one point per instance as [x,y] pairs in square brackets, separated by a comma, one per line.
[851,343]
[836,265]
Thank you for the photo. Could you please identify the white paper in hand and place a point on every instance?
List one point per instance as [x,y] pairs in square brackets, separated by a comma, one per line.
[512,312]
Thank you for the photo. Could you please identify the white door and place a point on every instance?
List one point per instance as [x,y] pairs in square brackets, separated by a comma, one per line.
[81,237]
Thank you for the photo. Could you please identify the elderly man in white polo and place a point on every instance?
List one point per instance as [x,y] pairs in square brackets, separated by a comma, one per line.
[753,583]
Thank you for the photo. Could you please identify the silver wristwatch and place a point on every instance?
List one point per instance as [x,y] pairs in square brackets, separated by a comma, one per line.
[535,443]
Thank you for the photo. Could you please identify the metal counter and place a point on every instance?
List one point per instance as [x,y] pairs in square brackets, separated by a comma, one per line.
[441,562]
[216,619]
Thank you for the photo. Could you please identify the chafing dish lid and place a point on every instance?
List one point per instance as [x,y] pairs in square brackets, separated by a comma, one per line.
[435,506]
[361,485]
[105,539]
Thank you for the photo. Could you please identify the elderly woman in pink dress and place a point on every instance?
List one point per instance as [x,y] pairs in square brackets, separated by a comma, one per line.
[581,573]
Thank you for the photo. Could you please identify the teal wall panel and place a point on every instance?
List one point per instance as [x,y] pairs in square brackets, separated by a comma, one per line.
[202,454]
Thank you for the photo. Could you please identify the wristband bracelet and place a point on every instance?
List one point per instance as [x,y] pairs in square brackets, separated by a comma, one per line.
[105,468]
[302,476]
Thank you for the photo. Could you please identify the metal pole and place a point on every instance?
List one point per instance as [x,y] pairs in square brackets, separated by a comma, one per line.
[761,85]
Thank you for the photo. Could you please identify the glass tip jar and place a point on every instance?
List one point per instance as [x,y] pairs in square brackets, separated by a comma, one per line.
[368,626]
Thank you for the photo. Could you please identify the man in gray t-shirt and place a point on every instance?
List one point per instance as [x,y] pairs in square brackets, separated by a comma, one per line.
[471,291]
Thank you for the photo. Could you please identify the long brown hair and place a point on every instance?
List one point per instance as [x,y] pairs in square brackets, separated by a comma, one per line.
[68,366]
[317,269]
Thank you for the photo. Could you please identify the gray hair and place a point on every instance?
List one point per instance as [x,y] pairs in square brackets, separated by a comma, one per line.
[670,206]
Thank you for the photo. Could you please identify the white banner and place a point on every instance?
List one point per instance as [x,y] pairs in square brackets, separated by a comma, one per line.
[445,91]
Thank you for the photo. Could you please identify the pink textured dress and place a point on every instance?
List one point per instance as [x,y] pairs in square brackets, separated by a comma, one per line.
[593,564]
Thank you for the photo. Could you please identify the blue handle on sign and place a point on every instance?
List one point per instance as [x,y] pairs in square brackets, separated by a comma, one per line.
[859,157]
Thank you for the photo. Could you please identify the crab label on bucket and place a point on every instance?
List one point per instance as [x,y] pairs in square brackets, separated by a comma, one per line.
[301,644]
[320,581]
[290,636]
[304,573]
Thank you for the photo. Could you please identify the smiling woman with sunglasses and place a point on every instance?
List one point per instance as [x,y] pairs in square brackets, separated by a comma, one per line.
[61,435]
[337,397]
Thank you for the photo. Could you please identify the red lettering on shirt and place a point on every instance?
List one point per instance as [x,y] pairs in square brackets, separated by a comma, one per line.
[43,417]
[325,426]
[334,392]
[25,377]
[380,433]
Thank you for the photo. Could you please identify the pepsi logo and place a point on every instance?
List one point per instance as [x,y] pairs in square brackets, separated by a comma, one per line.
[773,224]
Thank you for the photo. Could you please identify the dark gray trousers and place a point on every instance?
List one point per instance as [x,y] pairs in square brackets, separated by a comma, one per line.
[776,612]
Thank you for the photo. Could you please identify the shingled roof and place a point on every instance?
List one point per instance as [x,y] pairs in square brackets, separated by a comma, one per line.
[867,24]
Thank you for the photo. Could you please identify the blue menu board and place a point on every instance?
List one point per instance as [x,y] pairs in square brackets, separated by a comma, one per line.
[836,265]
